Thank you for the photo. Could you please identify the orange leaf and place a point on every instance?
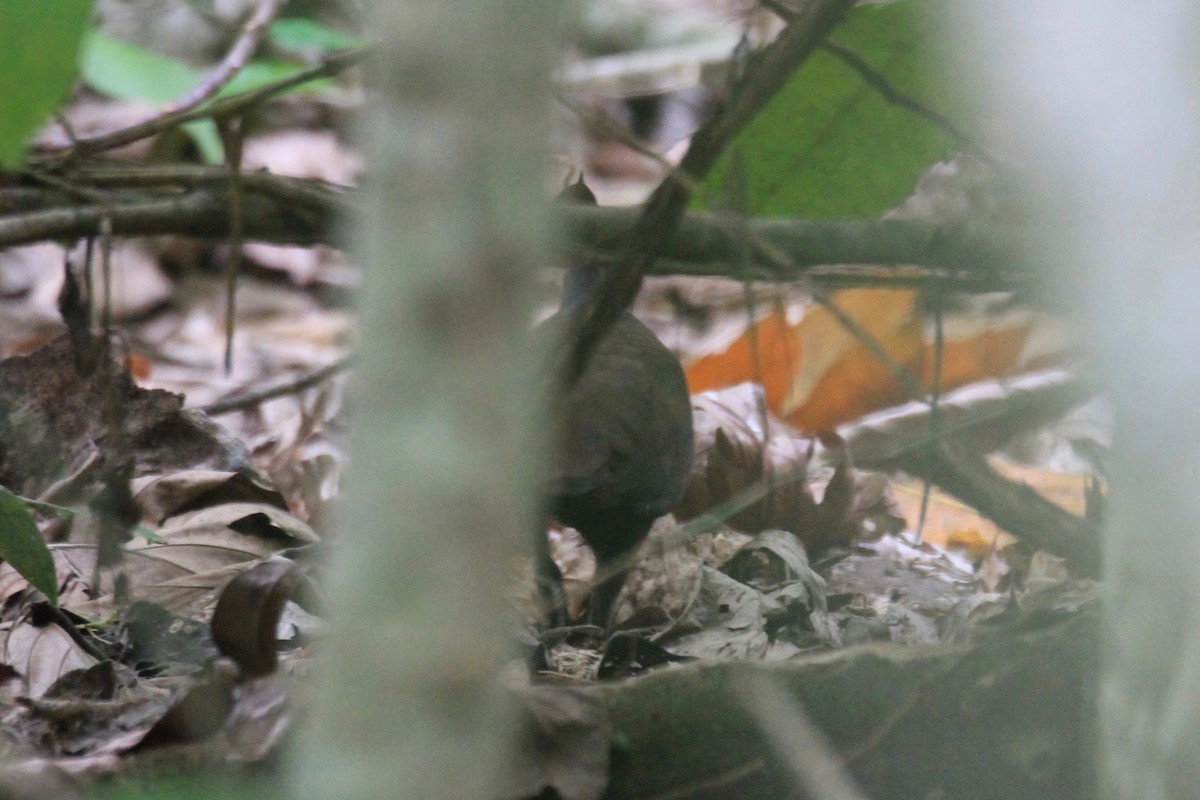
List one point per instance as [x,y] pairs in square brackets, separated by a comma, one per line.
[777,359]
[993,352]
[817,375]
[840,379]
[138,366]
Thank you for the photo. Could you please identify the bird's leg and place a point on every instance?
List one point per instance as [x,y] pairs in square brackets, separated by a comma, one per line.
[603,599]
[549,580]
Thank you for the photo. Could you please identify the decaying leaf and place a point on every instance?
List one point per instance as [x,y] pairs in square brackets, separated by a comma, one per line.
[733,456]
[727,621]
[163,496]
[154,639]
[49,424]
[41,655]
[198,712]
[246,619]
[754,474]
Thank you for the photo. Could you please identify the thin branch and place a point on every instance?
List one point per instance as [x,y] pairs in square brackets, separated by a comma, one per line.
[888,91]
[233,137]
[68,626]
[221,107]
[949,459]
[305,192]
[235,60]
[242,401]
[909,382]
[767,72]
[935,407]
[702,238]
[76,190]
[879,82]
[1014,506]
[778,9]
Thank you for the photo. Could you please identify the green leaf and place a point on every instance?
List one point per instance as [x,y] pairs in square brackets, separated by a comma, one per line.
[38,64]
[148,535]
[22,545]
[260,72]
[128,71]
[829,144]
[298,34]
[207,139]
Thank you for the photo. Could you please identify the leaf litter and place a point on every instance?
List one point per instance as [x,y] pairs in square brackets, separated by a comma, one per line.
[822,559]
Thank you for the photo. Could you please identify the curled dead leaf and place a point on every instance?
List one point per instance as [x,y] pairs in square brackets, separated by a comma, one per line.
[248,613]
[163,496]
[734,456]
[766,476]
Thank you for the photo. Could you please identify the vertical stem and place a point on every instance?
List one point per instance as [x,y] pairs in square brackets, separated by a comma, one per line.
[445,470]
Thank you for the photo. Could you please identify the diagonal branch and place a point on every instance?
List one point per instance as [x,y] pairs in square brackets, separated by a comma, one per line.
[889,92]
[767,72]
[232,104]
[880,83]
[237,57]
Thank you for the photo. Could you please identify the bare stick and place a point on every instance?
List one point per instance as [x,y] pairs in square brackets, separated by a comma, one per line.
[233,62]
[767,72]
[240,402]
[227,105]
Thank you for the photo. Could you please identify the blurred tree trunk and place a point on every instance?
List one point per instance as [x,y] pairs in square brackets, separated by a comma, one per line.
[1102,103]
[444,466]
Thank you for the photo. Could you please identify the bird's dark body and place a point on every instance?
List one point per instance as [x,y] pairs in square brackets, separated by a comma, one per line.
[626,445]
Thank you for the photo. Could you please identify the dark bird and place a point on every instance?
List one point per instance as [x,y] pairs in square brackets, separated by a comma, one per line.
[625,439]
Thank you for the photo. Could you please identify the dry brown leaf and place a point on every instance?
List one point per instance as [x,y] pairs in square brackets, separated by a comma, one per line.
[731,456]
[303,154]
[41,655]
[162,496]
[198,712]
[198,553]
[247,615]
[733,462]
[262,717]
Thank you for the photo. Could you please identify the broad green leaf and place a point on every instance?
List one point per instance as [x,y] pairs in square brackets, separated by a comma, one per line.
[38,65]
[299,34]
[128,71]
[131,72]
[829,144]
[207,139]
[22,545]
